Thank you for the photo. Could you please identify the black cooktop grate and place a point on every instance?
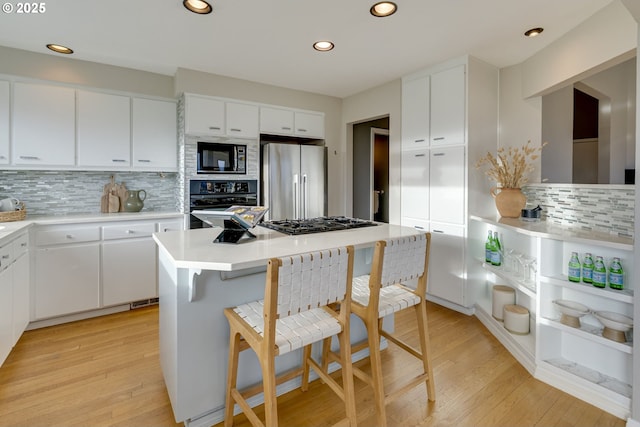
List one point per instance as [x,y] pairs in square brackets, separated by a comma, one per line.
[316,225]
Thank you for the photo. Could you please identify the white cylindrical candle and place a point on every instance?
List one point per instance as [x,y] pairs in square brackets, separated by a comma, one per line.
[502,295]
[516,319]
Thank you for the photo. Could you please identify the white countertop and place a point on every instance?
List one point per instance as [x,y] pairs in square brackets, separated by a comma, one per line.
[195,248]
[8,229]
[548,230]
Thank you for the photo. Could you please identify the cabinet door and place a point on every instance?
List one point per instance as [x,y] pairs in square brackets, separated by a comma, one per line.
[446,263]
[242,120]
[128,271]
[447,172]
[104,130]
[6,314]
[4,123]
[415,184]
[415,113]
[309,125]
[276,121]
[43,125]
[155,135]
[67,279]
[204,116]
[448,107]
[21,301]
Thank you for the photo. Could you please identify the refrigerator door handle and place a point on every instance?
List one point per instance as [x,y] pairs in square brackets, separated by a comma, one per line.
[296,197]
[305,207]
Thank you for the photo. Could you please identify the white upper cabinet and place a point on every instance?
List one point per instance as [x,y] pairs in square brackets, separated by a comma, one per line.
[4,122]
[448,91]
[276,121]
[310,125]
[43,125]
[415,185]
[415,113]
[281,121]
[155,134]
[104,129]
[447,169]
[204,116]
[242,120]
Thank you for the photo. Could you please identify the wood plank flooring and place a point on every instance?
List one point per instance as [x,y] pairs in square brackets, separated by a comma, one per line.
[106,372]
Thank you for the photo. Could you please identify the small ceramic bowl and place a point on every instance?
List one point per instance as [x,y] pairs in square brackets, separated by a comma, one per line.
[571,312]
[615,321]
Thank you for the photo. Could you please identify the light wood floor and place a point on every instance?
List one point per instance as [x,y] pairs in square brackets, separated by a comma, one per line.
[106,372]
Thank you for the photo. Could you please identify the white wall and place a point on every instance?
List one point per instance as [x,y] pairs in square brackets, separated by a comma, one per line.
[383,100]
[608,34]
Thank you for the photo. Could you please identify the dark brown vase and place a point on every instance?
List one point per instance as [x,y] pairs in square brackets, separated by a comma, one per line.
[509,201]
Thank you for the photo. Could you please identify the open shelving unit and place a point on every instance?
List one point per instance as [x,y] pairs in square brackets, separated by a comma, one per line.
[580,361]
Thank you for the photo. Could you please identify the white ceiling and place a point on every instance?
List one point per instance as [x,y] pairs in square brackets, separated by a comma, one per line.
[270,41]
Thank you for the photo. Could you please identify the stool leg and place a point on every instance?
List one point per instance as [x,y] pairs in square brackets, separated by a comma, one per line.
[269,385]
[232,376]
[347,376]
[376,371]
[326,349]
[306,354]
[423,331]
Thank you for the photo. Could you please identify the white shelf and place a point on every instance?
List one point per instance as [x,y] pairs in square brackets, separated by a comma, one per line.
[547,230]
[625,295]
[596,378]
[588,332]
[515,282]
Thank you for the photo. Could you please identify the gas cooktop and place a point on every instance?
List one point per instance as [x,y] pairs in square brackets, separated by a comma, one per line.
[316,225]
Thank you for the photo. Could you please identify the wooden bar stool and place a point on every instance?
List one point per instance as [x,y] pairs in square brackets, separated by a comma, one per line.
[294,314]
[382,293]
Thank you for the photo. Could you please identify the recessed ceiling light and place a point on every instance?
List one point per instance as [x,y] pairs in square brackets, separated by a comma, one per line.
[323,46]
[383,8]
[60,49]
[197,6]
[533,32]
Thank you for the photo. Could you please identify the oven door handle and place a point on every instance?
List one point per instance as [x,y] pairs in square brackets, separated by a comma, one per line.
[296,197]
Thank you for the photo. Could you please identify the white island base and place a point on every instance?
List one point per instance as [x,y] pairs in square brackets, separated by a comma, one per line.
[199,278]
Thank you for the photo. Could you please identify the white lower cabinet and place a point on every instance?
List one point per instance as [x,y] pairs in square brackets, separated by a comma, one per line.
[577,359]
[21,286]
[446,263]
[128,263]
[67,279]
[6,314]
[79,268]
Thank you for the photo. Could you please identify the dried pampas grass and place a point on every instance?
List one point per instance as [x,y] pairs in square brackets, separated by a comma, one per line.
[509,167]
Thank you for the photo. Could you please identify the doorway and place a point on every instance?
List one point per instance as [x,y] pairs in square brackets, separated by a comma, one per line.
[371,170]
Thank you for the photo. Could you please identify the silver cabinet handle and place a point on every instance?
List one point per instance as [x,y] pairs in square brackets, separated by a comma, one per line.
[440,138]
[418,227]
[69,236]
[286,128]
[118,160]
[419,155]
[419,140]
[438,154]
[302,130]
[235,130]
[437,231]
[30,157]
[144,161]
[214,127]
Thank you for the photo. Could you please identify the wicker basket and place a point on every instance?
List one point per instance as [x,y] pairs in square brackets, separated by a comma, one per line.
[17,215]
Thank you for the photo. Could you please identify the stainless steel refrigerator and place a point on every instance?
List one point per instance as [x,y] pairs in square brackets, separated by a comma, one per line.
[293,180]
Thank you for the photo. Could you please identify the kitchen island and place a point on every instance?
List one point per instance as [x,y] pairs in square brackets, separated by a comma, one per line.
[199,278]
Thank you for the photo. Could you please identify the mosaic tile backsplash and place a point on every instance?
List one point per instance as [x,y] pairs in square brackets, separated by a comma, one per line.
[607,209]
[72,192]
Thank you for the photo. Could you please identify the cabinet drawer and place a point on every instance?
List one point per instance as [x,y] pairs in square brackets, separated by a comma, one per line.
[67,235]
[20,245]
[128,231]
[6,255]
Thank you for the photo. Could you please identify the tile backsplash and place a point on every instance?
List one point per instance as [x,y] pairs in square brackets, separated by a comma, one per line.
[606,208]
[69,192]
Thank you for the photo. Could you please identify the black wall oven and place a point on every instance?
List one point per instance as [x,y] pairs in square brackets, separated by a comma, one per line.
[214,157]
[220,195]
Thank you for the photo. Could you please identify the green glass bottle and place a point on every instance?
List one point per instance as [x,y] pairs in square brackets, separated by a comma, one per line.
[599,273]
[488,248]
[574,268]
[587,268]
[496,253]
[616,275]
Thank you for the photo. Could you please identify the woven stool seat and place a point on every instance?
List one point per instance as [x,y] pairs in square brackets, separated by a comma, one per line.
[392,298]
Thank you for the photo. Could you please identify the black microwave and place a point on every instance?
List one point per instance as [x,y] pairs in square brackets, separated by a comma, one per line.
[214,157]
